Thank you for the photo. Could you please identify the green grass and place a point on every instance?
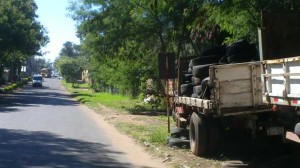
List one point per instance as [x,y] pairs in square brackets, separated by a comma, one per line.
[84,95]
[150,133]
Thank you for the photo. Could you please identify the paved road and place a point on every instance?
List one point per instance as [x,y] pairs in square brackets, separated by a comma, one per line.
[44,127]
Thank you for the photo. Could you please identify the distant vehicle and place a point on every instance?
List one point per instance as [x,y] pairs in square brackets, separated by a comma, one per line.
[54,75]
[37,81]
[46,72]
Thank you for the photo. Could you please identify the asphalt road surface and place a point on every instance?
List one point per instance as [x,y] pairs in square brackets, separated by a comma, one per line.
[45,127]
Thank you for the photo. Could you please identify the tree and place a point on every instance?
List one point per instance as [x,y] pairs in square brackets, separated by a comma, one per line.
[39,64]
[69,50]
[21,34]
[70,69]
[71,62]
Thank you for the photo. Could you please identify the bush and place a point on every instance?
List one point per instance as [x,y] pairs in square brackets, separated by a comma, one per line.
[11,87]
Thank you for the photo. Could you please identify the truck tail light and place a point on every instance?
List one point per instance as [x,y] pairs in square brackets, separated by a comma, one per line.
[295,101]
[274,108]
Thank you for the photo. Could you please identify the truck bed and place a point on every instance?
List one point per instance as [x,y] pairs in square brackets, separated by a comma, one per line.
[235,89]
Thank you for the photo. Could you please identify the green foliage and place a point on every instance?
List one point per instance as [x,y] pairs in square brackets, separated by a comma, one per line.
[20,31]
[11,87]
[21,35]
[123,38]
[70,50]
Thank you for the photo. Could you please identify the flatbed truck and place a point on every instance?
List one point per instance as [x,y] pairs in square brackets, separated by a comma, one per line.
[261,97]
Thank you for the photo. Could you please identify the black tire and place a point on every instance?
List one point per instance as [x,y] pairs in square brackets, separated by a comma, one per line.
[187,78]
[194,62]
[214,136]
[223,60]
[179,132]
[190,70]
[205,89]
[232,59]
[201,71]
[297,129]
[186,89]
[196,81]
[240,47]
[197,90]
[198,135]
[241,51]
[194,95]
[212,59]
[178,142]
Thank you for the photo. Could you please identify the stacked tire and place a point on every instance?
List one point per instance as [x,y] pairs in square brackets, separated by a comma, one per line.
[196,82]
[187,87]
[200,75]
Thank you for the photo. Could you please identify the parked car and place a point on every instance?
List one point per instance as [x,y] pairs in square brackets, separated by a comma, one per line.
[37,81]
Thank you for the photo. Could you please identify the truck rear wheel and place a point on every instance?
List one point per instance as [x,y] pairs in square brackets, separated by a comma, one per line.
[198,135]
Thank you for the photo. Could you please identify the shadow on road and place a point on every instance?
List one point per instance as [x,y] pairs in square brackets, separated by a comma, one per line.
[34,97]
[21,148]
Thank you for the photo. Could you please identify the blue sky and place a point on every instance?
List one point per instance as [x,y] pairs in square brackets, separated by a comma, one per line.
[61,28]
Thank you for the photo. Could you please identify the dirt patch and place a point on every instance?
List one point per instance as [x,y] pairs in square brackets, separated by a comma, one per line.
[111,116]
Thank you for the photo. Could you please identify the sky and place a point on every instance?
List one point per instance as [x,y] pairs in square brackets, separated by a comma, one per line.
[61,28]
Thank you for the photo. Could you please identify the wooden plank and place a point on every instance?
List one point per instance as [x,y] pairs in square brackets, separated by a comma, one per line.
[238,71]
[235,100]
[207,104]
[234,87]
